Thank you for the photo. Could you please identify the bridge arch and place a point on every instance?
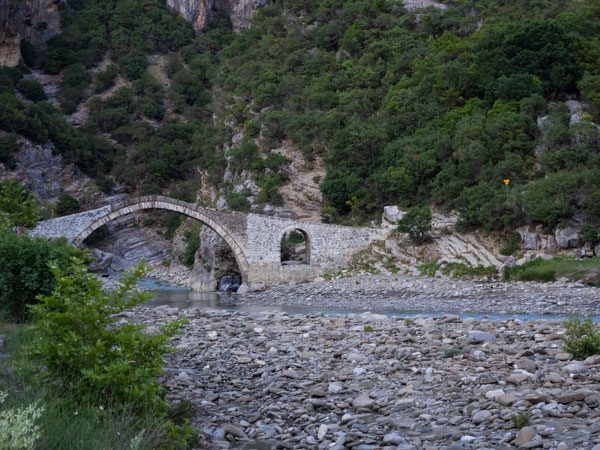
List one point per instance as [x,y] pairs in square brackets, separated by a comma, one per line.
[307,240]
[169,204]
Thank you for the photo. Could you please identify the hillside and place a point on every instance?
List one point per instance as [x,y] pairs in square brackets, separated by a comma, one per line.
[399,105]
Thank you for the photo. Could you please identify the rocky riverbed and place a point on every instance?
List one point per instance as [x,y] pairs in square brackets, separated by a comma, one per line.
[404,294]
[273,380]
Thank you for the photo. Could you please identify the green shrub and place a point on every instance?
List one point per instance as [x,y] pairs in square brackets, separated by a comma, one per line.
[172,223]
[417,223]
[192,239]
[237,201]
[583,336]
[32,90]
[106,78]
[18,430]
[521,419]
[460,269]
[368,329]
[536,270]
[512,244]
[8,148]
[18,206]
[429,269]
[24,271]
[452,351]
[589,234]
[67,204]
[85,354]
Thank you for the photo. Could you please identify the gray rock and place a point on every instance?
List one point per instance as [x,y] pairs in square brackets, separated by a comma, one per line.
[480,416]
[234,431]
[477,337]
[567,236]
[393,438]
[363,401]
[525,434]
[531,241]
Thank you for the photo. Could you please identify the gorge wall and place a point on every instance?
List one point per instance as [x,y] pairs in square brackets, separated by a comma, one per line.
[32,20]
[199,12]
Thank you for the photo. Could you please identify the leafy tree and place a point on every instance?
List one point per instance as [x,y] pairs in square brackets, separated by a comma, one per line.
[66,204]
[8,147]
[24,271]
[32,90]
[417,223]
[18,206]
[551,200]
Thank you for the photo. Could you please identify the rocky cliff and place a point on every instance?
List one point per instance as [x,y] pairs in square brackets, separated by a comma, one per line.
[199,12]
[31,20]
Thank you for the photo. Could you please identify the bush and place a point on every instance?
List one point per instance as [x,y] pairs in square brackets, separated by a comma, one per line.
[18,430]
[589,234]
[417,223]
[24,271]
[86,355]
[106,78]
[536,270]
[67,204]
[192,239]
[32,90]
[8,148]
[521,419]
[582,338]
[18,206]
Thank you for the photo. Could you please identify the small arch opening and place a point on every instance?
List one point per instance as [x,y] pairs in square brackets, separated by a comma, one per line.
[295,248]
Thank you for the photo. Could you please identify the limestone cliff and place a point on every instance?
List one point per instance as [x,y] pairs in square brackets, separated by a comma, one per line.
[199,12]
[32,20]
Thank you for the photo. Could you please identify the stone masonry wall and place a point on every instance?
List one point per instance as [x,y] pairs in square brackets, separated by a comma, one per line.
[254,239]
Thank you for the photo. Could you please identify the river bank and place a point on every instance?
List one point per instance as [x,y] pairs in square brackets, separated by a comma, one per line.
[363,382]
[410,294]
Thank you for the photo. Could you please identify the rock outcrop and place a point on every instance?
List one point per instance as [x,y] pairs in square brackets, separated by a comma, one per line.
[31,20]
[199,12]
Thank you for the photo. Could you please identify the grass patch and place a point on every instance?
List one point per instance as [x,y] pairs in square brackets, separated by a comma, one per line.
[521,419]
[429,269]
[584,270]
[460,270]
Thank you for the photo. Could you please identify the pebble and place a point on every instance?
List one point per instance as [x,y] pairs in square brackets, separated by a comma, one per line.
[280,378]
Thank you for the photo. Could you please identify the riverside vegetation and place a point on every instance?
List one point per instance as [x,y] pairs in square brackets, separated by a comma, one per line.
[76,377]
[404,111]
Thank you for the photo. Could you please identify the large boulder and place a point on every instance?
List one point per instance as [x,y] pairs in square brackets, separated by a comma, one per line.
[531,241]
[567,236]
[106,262]
[390,214]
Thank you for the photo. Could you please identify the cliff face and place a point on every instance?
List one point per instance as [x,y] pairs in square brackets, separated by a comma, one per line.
[33,20]
[199,12]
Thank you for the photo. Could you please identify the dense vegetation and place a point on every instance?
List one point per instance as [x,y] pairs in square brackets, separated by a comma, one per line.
[438,108]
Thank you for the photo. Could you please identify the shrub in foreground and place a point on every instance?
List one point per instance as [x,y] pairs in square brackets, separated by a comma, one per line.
[87,355]
[18,430]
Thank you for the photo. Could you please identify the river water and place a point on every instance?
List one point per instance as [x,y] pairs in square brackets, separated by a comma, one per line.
[186,298]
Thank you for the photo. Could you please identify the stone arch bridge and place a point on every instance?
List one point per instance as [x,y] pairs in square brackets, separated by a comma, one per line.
[254,239]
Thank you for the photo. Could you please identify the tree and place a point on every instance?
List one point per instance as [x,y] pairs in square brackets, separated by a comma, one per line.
[67,204]
[18,206]
[24,271]
[417,223]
